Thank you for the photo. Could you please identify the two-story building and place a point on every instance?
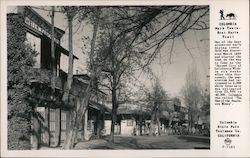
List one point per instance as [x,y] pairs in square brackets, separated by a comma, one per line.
[51,117]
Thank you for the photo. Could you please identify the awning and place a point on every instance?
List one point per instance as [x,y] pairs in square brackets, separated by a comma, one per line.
[63,50]
[98,106]
[94,106]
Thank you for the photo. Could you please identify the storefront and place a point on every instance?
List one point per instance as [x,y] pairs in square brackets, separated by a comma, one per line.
[51,118]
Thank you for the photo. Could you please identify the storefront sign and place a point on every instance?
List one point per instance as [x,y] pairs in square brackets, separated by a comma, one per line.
[38,28]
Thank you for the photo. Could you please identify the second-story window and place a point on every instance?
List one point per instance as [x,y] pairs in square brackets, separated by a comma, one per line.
[35,43]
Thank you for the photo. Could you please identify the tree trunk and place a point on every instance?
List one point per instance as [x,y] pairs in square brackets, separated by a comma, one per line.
[76,118]
[81,103]
[140,124]
[53,78]
[114,113]
[68,143]
[170,123]
[67,87]
[112,131]
[70,139]
[53,59]
[152,125]
[158,122]
[190,123]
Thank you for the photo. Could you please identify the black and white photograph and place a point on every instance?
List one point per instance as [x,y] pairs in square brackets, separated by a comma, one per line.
[109,77]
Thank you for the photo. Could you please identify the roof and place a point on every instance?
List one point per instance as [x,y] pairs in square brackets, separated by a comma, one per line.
[132,109]
[165,114]
[85,79]
[99,106]
[83,76]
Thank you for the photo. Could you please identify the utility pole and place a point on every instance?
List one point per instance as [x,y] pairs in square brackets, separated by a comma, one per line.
[53,50]
[53,81]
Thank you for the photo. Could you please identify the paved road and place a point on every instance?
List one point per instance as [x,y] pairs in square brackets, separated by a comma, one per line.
[148,142]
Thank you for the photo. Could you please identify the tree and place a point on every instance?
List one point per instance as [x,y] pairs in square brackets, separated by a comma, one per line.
[192,94]
[153,27]
[157,101]
[205,108]
[20,61]
[144,32]
[116,61]
[81,103]
[134,36]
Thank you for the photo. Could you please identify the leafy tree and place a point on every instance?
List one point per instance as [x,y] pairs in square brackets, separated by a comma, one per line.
[117,69]
[157,101]
[132,38]
[153,27]
[205,108]
[20,60]
[132,33]
[80,103]
[192,94]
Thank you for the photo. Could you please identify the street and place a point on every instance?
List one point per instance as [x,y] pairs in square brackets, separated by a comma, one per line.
[148,142]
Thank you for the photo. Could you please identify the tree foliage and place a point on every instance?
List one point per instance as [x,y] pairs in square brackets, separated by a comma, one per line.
[192,94]
[131,38]
[152,27]
[158,101]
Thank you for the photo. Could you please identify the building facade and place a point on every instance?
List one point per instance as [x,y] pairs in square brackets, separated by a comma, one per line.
[51,117]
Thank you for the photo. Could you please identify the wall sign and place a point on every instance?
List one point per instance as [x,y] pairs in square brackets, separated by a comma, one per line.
[38,28]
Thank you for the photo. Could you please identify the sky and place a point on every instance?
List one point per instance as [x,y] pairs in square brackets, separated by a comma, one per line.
[171,75]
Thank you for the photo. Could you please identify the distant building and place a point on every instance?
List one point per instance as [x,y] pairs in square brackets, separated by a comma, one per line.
[135,120]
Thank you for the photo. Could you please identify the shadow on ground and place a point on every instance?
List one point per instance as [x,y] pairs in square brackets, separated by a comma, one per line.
[148,142]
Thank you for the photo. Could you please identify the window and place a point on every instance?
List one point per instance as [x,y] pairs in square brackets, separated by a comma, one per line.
[35,44]
[129,122]
[64,62]
[52,118]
